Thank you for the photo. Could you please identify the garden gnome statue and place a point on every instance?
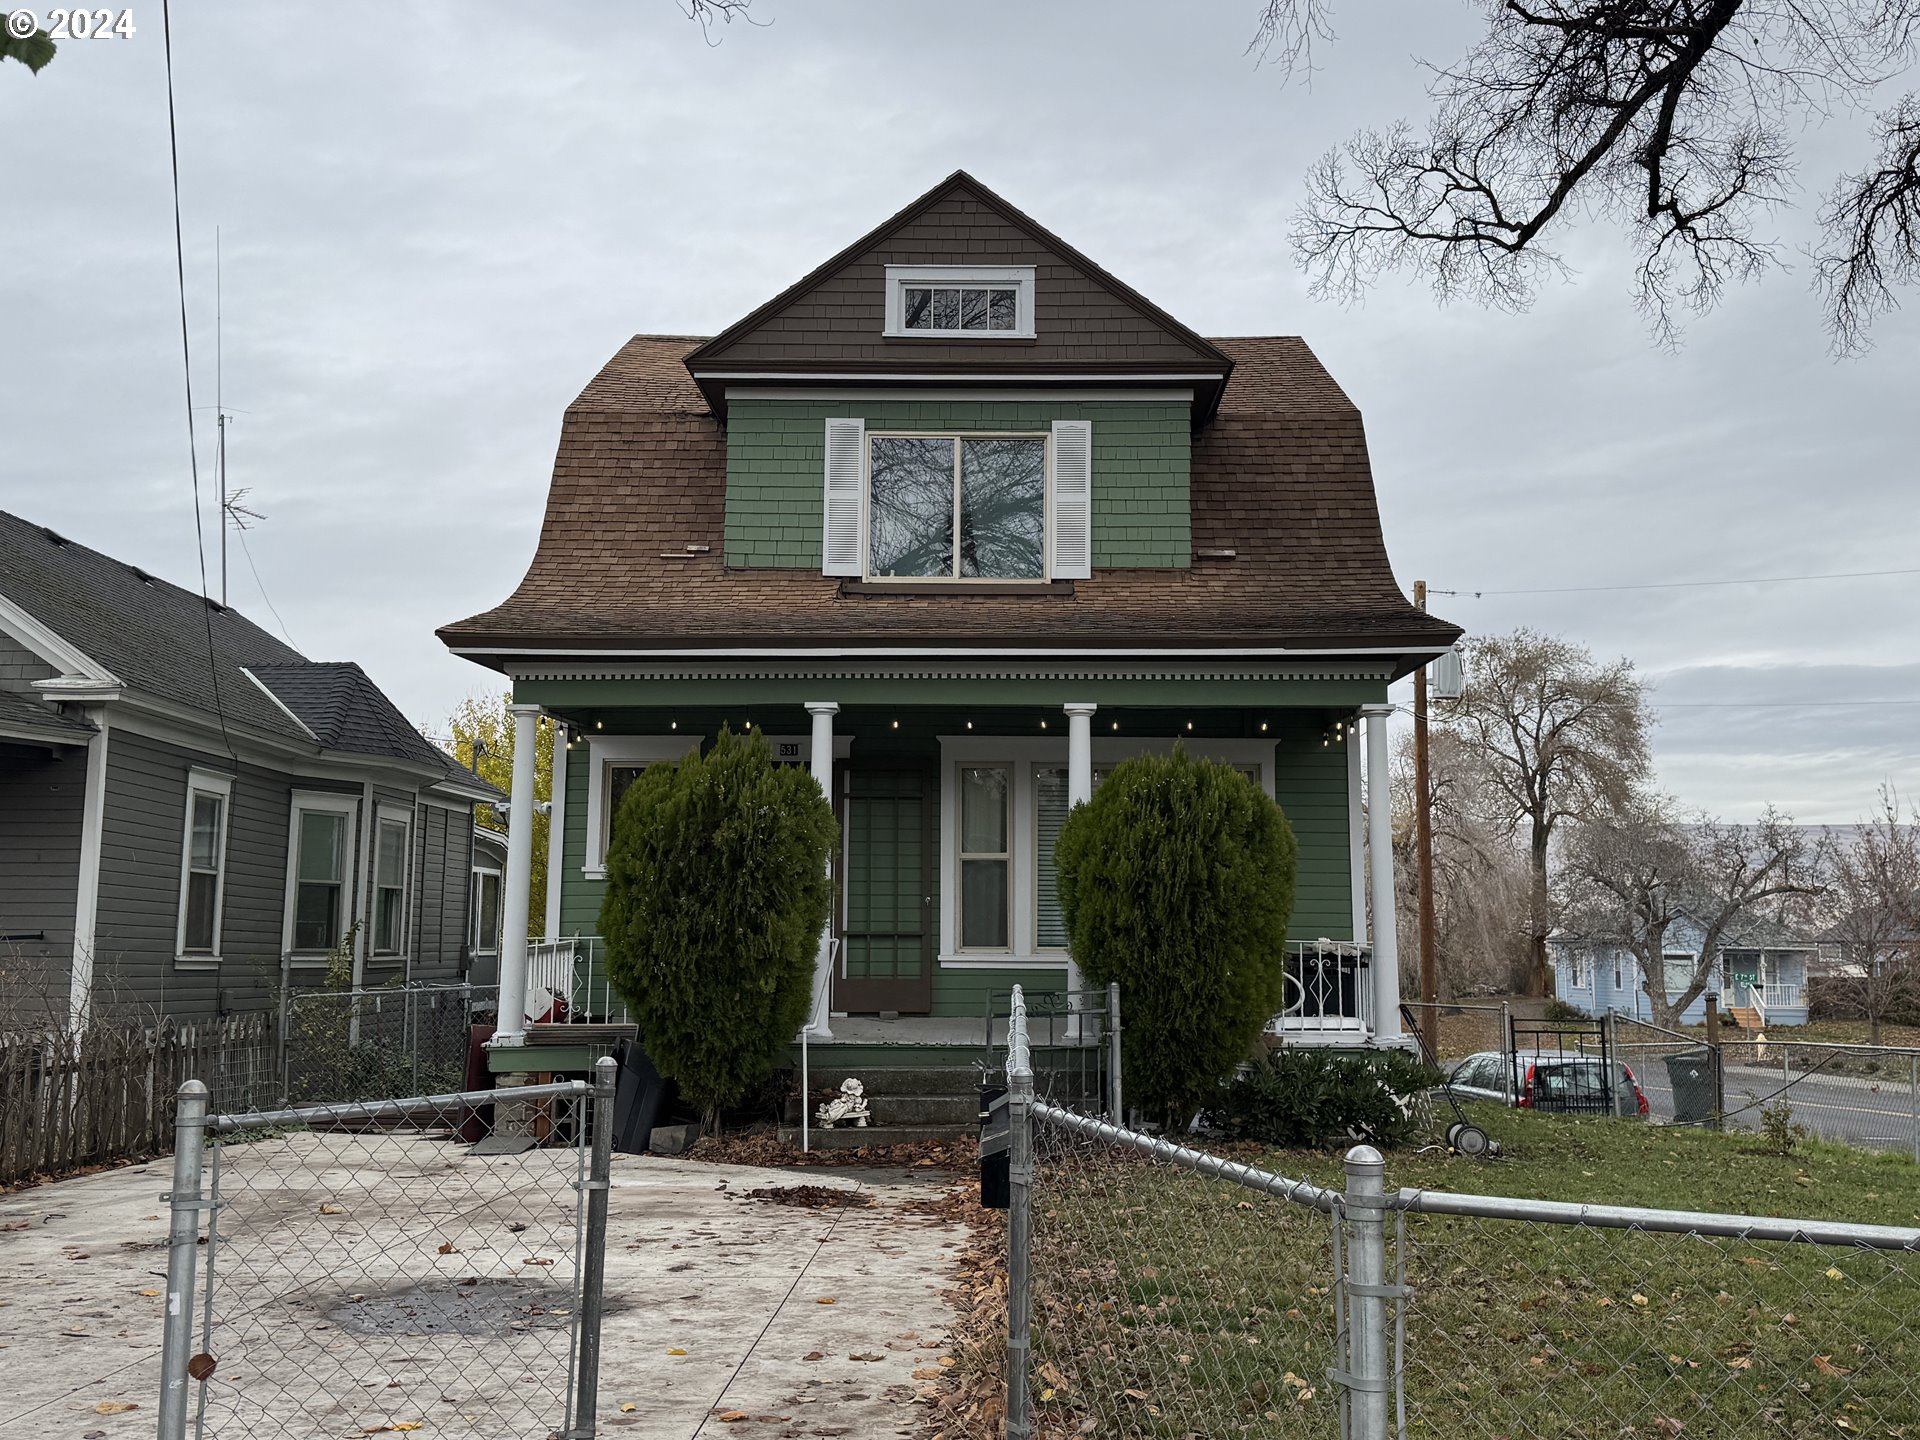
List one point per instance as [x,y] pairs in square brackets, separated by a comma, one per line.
[849,1104]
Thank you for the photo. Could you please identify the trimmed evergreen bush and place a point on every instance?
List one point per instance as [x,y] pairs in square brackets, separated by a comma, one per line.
[1304,1098]
[716,895]
[1176,879]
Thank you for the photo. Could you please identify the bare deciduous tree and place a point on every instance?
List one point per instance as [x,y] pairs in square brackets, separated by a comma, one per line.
[1676,118]
[1479,876]
[1875,907]
[1561,737]
[1636,873]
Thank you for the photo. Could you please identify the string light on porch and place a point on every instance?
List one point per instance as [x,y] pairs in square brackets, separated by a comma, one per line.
[1043,724]
[896,724]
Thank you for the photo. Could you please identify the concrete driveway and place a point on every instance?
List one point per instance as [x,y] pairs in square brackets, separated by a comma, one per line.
[715,1306]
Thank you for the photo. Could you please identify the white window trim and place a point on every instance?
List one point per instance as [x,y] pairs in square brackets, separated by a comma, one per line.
[1022,754]
[957,436]
[203,782]
[404,816]
[1018,278]
[339,803]
[474,910]
[605,750]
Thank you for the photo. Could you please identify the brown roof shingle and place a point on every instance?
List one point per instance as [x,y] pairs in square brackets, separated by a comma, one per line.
[1279,476]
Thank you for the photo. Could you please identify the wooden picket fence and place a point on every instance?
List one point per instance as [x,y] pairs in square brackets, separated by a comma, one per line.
[74,1099]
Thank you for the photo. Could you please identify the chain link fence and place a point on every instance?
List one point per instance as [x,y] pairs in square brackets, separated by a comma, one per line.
[1155,1290]
[379,1044]
[431,1263]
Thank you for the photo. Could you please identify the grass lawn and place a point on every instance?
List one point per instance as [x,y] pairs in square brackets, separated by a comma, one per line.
[1168,1305]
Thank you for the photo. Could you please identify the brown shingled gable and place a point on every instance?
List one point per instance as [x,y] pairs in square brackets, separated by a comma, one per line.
[1280,477]
[1085,320]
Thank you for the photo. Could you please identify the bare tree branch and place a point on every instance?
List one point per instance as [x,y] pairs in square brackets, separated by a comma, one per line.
[1668,117]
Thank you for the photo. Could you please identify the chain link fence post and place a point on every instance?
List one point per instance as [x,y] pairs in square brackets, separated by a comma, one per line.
[1116,1112]
[1913,1101]
[183,1253]
[594,1270]
[1019,1218]
[1368,1377]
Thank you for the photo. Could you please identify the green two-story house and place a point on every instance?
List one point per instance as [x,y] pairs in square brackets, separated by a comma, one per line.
[958,521]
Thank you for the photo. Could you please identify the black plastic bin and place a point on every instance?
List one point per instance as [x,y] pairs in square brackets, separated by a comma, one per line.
[1691,1074]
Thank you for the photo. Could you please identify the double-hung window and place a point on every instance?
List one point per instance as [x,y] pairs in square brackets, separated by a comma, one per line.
[957,507]
[986,857]
[485,937]
[203,865]
[320,888]
[390,865]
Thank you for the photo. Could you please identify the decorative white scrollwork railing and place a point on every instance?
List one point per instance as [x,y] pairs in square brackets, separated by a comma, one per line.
[1328,990]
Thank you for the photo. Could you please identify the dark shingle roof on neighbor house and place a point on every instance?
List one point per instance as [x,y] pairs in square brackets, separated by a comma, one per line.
[28,717]
[155,638]
[1279,477]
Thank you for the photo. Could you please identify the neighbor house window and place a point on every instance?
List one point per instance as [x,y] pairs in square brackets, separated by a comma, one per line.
[985,858]
[203,865]
[957,507]
[960,301]
[1619,974]
[322,862]
[485,936]
[1678,965]
[390,885]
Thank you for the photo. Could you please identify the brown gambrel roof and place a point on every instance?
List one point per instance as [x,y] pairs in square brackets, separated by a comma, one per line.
[1279,477]
[1086,321]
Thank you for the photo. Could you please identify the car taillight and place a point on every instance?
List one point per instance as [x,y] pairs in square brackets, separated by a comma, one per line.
[1639,1095]
[1526,1091]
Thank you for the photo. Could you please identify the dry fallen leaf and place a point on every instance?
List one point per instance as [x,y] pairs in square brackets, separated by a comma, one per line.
[201,1366]
[813,1355]
[933,1372]
[628,1408]
[866,1357]
[676,1352]
[329,1208]
[1834,1272]
[1639,1299]
[1666,1425]
[447,1247]
[114,1407]
[732,1417]
[1826,1366]
[824,1300]
[149,1293]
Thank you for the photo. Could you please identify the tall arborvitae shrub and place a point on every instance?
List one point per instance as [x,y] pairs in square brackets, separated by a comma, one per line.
[1176,879]
[716,896]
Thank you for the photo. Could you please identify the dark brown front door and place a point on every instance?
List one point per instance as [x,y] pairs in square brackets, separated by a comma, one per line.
[887,924]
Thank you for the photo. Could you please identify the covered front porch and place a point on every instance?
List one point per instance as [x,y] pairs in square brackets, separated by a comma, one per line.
[950,792]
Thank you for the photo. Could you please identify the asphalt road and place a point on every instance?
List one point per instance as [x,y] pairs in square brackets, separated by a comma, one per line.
[1876,1113]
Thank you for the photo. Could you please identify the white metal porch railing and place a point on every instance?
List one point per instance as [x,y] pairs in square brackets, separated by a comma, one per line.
[1329,990]
[567,983]
[1766,998]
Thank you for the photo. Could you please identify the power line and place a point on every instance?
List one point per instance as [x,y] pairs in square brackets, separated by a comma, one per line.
[1682,584]
[186,357]
[261,586]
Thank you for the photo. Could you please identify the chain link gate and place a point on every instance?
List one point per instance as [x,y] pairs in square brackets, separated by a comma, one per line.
[432,1263]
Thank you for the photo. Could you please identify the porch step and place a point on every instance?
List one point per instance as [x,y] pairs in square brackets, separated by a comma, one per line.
[826,1073]
[854,1137]
[1745,1016]
[907,1110]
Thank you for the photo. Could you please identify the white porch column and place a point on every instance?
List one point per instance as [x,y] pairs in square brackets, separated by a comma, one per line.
[556,832]
[1386,949]
[819,1026]
[86,903]
[1079,791]
[516,888]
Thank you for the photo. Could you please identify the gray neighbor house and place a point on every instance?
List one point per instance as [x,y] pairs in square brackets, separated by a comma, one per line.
[193,814]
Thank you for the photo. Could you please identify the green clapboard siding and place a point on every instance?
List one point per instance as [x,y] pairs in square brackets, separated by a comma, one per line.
[1141,453]
[1311,785]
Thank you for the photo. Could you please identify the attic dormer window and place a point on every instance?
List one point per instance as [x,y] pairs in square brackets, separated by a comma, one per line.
[962,302]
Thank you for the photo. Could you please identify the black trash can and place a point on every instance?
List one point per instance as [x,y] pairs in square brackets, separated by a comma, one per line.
[1691,1074]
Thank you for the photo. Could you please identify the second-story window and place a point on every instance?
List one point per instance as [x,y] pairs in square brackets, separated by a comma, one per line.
[957,507]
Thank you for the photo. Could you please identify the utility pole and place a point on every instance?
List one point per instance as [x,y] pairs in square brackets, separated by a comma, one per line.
[1423,849]
[220,416]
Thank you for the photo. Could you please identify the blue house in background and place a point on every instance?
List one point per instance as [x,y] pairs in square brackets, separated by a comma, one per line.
[1761,976]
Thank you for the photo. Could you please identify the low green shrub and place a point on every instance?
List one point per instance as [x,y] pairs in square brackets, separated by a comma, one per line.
[1305,1098]
[1559,1012]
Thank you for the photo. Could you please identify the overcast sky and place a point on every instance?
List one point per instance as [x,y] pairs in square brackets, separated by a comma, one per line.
[440,219]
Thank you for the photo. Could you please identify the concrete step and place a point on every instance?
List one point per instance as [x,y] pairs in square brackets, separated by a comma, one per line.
[886,1080]
[854,1137]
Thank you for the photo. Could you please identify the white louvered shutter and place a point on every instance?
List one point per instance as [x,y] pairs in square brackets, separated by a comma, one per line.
[840,544]
[1072,499]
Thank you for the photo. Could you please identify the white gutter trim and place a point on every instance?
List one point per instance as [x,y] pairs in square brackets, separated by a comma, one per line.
[50,647]
[998,652]
[279,704]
